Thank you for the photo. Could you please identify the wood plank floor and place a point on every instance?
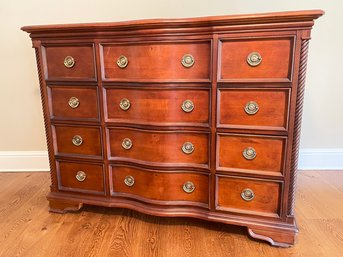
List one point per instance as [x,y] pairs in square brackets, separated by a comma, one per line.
[28,229]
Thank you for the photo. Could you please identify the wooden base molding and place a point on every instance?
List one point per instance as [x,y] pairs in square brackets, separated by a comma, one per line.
[280,235]
[276,237]
[61,207]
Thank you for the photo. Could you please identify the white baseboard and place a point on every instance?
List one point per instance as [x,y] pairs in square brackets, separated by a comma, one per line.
[321,159]
[309,159]
[23,161]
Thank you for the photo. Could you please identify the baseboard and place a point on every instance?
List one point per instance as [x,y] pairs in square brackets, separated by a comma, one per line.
[24,161]
[321,159]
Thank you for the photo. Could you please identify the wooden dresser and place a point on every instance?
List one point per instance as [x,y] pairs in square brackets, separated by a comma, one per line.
[191,117]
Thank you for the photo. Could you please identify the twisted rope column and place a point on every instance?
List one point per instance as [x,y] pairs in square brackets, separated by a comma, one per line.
[297,125]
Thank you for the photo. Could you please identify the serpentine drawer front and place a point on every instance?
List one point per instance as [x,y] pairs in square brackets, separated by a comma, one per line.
[195,117]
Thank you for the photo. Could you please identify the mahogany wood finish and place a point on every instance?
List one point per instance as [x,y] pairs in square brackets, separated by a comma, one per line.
[276,53]
[83,55]
[266,199]
[157,61]
[87,108]
[236,167]
[158,106]
[271,115]
[269,151]
[161,187]
[94,182]
[159,148]
[91,142]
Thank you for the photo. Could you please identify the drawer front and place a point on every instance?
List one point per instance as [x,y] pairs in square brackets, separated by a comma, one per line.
[73,140]
[256,59]
[253,108]
[160,107]
[151,186]
[70,62]
[81,177]
[74,103]
[157,61]
[257,197]
[253,154]
[160,148]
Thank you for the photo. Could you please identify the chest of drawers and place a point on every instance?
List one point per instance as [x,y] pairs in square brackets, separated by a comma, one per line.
[185,117]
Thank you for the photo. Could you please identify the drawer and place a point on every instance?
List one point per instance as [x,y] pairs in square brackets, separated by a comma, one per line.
[251,154]
[250,196]
[160,148]
[256,59]
[263,109]
[74,103]
[75,140]
[69,62]
[187,188]
[158,106]
[172,61]
[81,177]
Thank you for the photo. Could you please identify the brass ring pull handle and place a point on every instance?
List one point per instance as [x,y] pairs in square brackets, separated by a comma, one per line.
[249,153]
[251,108]
[124,104]
[74,102]
[127,143]
[187,60]
[247,194]
[188,187]
[254,59]
[81,176]
[129,181]
[122,61]
[69,62]
[188,148]
[77,140]
[187,106]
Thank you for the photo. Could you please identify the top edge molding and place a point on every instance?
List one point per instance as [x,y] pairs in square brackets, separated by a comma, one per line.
[210,21]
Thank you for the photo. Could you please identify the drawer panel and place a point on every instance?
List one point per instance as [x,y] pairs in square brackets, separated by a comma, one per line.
[273,59]
[251,196]
[160,107]
[156,61]
[264,109]
[70,62]
[151,186]
[74,103]
[81,177]
[253,154]
[74,140]
[160,148]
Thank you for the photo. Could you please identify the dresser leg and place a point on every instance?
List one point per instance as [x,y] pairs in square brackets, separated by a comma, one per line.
[63,206]
[276,237]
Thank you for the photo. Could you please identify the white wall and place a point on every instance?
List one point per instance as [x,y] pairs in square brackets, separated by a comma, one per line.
[19,92]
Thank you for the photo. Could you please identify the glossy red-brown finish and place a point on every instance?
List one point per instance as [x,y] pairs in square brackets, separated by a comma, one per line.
[158,106]
[156,61]
[93,184]
[161,148]
[271,115]
[266,199]
[276,53]
[87,109]
[269,158]
[91,140]
[161,187]
[219,83]
[83,69]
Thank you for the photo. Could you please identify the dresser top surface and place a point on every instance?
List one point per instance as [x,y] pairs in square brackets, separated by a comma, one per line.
[211,21]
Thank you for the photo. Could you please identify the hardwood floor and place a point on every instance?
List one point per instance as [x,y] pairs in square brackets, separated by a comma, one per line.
[28,229]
